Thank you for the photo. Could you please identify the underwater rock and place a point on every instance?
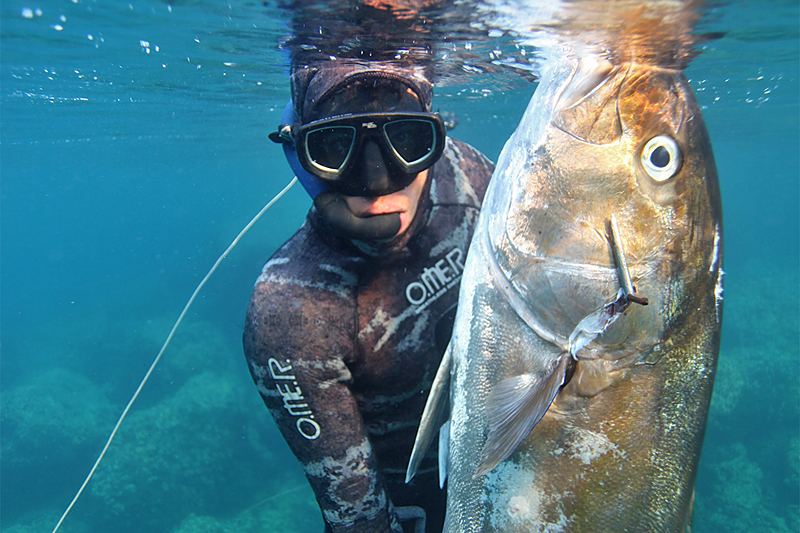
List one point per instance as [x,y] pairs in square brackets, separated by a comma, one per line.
[197,346]
[181,455]
[748,478]
[198,440]
[51,417]
[732,369]
[42,520]
[793,455]
[292,510]
[48,425]
[742,501]
[758,358]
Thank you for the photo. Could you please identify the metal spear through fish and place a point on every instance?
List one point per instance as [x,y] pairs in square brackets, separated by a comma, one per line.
[569,409]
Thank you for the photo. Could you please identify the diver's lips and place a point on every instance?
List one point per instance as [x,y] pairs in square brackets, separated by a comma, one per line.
[374,212]
[377,212]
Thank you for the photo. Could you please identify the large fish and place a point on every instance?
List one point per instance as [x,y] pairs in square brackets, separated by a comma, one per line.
[580,371]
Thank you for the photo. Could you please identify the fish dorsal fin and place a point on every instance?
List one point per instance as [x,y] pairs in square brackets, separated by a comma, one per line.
[513,407]
[436,413]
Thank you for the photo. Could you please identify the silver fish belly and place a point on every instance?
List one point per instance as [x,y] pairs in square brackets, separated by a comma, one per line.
[580,370]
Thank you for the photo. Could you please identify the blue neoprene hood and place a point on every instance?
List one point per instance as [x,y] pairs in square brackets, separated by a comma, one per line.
[312,184]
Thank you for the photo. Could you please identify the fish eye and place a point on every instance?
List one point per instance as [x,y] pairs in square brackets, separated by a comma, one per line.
[661,157]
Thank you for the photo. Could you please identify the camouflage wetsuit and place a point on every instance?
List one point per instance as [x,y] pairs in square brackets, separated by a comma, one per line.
[341,347]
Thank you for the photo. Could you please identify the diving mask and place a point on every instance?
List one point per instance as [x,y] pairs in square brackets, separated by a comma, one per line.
[330,148]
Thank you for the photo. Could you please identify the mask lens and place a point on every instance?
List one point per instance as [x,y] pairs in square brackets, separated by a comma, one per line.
[329,147]
[412,139]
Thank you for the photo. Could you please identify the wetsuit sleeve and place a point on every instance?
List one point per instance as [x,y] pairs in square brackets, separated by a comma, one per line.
[299,338]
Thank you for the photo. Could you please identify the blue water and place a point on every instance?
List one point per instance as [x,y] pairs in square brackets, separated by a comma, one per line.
[133,147]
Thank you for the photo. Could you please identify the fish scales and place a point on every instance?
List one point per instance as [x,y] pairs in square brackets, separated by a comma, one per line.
[571,408]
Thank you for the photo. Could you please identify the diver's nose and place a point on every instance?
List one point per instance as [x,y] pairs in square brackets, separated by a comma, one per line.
[374,169]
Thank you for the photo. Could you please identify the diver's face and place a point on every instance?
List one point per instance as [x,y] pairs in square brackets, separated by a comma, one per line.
[373,169]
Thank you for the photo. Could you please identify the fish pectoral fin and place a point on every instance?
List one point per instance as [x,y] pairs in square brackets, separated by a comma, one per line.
[596,323]
[436,413]
[514,407]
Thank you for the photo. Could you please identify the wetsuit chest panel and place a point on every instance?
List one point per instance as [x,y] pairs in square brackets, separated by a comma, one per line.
[396,350]
[399,305]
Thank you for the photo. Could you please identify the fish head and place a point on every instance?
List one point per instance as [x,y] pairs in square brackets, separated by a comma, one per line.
[628,142]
